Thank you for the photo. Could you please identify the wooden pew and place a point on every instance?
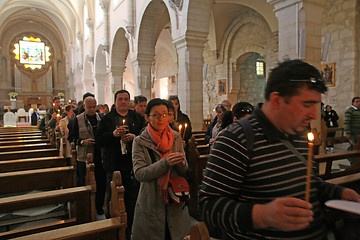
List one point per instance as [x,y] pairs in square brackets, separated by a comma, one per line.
[198,231]
[22,142]
[18,138]
[37,179]
[81,195]
[349,177]
[24,147]
[49,152]
[110,229]
[6,135]
[32,163]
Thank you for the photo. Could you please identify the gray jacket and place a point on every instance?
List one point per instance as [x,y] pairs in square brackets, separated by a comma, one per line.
[151,210]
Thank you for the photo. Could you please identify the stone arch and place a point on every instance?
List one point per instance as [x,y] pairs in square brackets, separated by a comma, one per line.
[101,64]
[154,17]
[119,54]
[251,86]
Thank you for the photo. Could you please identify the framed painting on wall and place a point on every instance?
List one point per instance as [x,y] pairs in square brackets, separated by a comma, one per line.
[328,73]
[222,86]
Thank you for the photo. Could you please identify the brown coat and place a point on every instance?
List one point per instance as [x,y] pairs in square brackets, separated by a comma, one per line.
[151,210]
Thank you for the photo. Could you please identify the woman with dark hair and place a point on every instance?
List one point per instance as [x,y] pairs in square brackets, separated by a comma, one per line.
[157,156]
[181,118]
[215,126]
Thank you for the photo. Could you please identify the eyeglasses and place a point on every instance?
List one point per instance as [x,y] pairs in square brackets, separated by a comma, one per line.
[159,115]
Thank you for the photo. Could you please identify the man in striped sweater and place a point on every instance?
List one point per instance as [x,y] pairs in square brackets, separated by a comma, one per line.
[258,191]
[352,124]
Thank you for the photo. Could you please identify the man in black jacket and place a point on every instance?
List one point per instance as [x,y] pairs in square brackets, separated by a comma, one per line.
[115,134]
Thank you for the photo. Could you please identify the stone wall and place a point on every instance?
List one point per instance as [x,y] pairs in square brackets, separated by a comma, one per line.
[339,19]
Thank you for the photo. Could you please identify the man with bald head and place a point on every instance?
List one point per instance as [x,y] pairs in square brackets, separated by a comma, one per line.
[82,133]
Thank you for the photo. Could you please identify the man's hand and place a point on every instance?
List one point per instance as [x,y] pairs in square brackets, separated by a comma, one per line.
[88,142]
[282,213]
[127,138]
[350,195]
[119,132]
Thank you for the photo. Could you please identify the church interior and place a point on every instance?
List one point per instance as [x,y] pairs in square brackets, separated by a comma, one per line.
[202,51]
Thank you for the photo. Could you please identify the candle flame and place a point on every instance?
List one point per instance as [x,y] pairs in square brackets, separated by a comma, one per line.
[185,125]
[180,127]
[310,136]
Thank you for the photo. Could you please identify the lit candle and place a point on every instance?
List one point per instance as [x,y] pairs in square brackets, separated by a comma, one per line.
[180,127]
[69,101]
[309,165]
[185,130]
[123,122]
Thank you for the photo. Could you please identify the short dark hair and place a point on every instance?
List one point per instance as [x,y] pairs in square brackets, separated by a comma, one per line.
[80,102]
[139,99]
[68,107]
[222,107]
[175,97]
[353,100]
[155,102]
[242,109]
[55,98]
[88,94]
[121,91]
[291,75]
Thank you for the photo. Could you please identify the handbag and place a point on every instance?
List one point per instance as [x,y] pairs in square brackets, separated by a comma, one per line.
[178,190]
[178,187]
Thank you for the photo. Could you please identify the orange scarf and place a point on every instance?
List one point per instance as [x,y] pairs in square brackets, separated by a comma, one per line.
[164,143]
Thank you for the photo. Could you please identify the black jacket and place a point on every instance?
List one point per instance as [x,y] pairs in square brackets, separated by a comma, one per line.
[113,159]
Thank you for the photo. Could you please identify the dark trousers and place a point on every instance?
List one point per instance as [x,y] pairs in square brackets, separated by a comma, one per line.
[80,173]
[100,179]
[130,196]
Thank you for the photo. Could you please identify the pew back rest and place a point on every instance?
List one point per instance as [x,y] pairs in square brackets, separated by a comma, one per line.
[28,180]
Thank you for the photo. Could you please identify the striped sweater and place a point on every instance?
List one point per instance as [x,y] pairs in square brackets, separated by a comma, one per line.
[352,122]
[233,181]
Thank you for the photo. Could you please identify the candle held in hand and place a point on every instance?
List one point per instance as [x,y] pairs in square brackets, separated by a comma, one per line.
[309,165]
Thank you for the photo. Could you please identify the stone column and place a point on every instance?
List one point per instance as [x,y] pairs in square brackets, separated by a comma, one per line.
[116,78]
[299,29]
[142,74]
[131,13]
[300,34]
[190,85]
[99,85]
[90,25]
[105,4]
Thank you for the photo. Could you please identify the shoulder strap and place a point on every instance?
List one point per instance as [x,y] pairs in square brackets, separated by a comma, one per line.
[296,152]
[249,132]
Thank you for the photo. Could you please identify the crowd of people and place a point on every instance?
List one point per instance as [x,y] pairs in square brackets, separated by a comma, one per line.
[253,185]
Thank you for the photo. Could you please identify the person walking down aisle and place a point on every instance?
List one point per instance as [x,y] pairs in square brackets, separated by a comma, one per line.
[115,135]
[82,132]
[256,190]
[352,124]
[157,156]
[331,118]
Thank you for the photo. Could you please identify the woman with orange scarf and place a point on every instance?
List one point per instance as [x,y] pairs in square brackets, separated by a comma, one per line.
[158,155]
